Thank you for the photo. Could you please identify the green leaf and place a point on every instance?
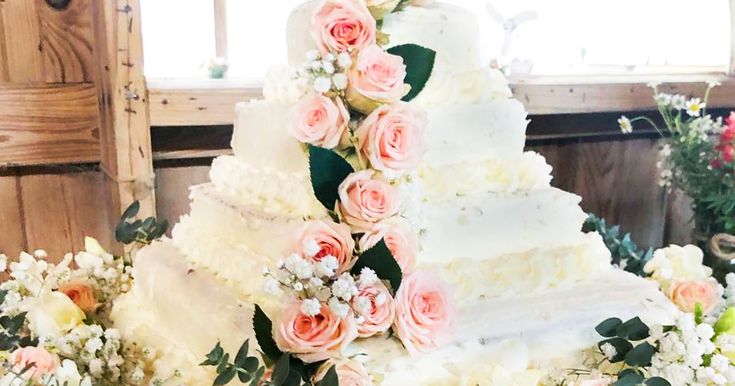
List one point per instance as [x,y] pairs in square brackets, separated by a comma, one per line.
[13,324]
[726,322]
[621,345]
[380,260]
[257,377]
[328,170]
[330,378]
[698,313]
[3,294]
[225,376]
[244,377]
[608,328]
[282,370]
[242,354]
[629,379]
[223,363]
[251,364]
[656,381]
[131,211]
[633,329]
[264,334]
[419,63]
[640,355]
[214,356]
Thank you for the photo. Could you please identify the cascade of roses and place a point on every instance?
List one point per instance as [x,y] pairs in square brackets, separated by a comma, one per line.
[354,109]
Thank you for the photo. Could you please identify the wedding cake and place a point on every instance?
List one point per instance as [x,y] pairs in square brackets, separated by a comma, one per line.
[476,211]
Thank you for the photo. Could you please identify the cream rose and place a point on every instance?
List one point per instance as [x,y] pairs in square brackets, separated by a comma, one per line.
[676,263]
[400,239]
[43,361]
[81,294]
[378,316]
[365,200]
[349,372]
[376,78]
[380,8]
[313,338]
[687,294]
[343,25]
[318,239]
[54,314]
[320,121]
[425,312]
[392,137]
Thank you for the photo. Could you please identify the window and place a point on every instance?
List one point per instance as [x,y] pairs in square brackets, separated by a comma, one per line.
[568,37]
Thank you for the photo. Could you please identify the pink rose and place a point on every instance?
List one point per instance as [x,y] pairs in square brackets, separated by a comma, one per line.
[376,78]
[400,239]
[364,200]
[43,361]
[424,312]
[320,121]
[391,137]
[313,338]
[687,294]
[318,239]
[379,315]
[343,25]
[349,372]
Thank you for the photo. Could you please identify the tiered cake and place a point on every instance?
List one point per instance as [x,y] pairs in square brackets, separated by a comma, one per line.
[529,285]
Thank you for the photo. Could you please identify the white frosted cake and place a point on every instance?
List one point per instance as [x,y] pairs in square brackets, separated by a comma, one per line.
[528,284]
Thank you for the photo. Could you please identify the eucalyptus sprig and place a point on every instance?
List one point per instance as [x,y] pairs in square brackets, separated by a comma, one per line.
[632,349]
[625,252]
[246,368]
[143,232]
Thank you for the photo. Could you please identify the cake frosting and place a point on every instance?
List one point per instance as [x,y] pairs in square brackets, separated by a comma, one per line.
[529,284]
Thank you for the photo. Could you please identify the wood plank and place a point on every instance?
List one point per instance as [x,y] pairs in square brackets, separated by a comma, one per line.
[172,185]
[602,97]
[4,75]
[679,219]
[220,28]
[188,107]
[125,131]
[11,216]
[59,212]
[617,180]
[44,124]
[23,41]
[66,42]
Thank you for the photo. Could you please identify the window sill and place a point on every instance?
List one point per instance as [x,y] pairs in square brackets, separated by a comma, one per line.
[190,102]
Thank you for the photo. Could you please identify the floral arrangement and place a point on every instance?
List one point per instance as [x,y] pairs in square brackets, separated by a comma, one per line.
[697,349]
[55,318]
[351,276]
[698,158]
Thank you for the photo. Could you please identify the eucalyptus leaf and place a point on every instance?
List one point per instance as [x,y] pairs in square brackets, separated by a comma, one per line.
[629,379]
[224,377]
[223,364]
[242,354]
[244,377]
[621,345]
[3,294]
[381,260]
[419,63]
[656,381]
[328,169]
[264,334]
[633,329]
[257,377]
[214,356]
[608,328]
[640,355]
[131,211]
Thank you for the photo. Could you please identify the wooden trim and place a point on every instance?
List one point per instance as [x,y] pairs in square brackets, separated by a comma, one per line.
[127,159]
[220,28]
[206,102]
[201,103]
[731,70]
[48,124]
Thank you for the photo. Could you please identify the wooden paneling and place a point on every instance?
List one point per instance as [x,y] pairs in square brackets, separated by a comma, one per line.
[45,124]
[66,41]
[197,106]
[22,34]
[52,210]
[617,180]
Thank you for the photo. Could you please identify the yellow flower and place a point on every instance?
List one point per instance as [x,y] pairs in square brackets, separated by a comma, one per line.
[53,314]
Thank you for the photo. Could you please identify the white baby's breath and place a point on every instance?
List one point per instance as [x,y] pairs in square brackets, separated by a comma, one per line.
[3,262]
[608,350]
[340,81]
[311,307]
[322,84]
[625,125]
